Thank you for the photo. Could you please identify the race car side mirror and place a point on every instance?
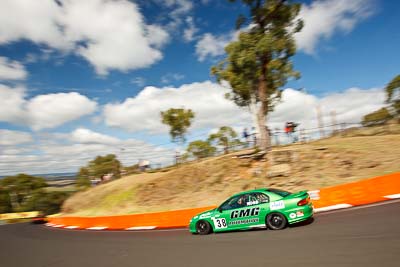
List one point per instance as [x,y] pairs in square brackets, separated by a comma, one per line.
[219,209]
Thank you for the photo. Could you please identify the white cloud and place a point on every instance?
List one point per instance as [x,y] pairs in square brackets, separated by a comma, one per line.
[142,113]
[42,111]
[11,70]
[86,136]
[52,110]
[31,20]
[167,78]
[139,81]
[12,138]
[350,106]
[211,45]
[111,35]
[178,9]
[324,18]
[67,152]
[12,101]
[190,31]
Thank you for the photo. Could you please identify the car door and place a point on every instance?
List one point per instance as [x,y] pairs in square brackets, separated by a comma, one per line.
[261,201]
[222,219]
[238,212]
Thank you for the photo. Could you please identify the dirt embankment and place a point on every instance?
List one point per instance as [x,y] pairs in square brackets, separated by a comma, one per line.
[296,167]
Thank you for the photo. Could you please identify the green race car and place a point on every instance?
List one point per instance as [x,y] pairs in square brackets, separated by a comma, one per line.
[268,207]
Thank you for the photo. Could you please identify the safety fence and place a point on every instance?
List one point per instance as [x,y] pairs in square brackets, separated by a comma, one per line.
[336,197]
[278,137]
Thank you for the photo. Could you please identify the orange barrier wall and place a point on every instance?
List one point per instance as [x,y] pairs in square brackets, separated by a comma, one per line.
[361,192]
[356,193]
[167,219]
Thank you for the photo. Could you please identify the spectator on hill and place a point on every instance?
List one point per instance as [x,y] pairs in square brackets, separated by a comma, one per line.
[246,137]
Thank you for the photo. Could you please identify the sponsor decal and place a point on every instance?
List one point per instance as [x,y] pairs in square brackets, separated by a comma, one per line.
[245,213]
[219,223]
[292,215]
[299,214]
[250,203]
[245,221]
[277,205]
[205,215]
[314,194]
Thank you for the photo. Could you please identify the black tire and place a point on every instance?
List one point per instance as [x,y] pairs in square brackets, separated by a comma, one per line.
[203,227]
[276,221]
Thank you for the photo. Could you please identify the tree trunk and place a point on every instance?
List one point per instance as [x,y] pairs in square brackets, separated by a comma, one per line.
[254,113]
[264,141]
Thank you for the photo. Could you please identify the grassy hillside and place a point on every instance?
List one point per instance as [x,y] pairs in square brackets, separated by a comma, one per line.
[309,166]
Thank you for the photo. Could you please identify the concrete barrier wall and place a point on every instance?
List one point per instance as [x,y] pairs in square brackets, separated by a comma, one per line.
[335,197]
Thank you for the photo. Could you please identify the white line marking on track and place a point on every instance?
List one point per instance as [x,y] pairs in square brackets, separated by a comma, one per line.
[71,227]
[393,196]
[162,230]
[141,228]
[58,225]
[333,207]
[97,228]
[387,202]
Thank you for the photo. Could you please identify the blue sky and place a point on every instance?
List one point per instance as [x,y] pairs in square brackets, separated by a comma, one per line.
[83,78]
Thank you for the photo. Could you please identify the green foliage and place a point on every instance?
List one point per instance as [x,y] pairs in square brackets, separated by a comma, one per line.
[393,88]
[258,64]
[83,179]
[225,137]
[179,120]
[24,192]
[20,189]
[201,149]
[97,168]
[48,202]
[103,165]
[377,117]
[5,202]
[393,93]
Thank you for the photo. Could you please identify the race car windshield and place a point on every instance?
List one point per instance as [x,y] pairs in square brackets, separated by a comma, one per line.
[282,193]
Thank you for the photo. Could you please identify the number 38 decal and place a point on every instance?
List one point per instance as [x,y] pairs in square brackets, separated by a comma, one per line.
[220,223]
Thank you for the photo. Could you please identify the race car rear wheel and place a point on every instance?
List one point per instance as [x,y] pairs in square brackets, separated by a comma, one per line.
[203,228]
[276,221]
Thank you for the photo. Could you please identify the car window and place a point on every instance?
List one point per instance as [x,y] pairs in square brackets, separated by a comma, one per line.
[235,202]
[257,198]
[279,192]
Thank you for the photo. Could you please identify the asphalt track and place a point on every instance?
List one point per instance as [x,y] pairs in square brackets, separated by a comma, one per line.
[368,236]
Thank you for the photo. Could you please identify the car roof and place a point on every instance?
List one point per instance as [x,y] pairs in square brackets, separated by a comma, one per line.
[259,190]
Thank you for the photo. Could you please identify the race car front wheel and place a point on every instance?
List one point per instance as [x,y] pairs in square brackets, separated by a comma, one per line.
[203,228]
[276,221]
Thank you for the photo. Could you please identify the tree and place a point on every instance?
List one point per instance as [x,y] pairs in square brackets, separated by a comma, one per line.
[83,179]
[377,117]
[258,64]
[48,202]
[103,165]
[20,189]
[393,94]
[179,120]
[225,137]
[200,149]
[5,202]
